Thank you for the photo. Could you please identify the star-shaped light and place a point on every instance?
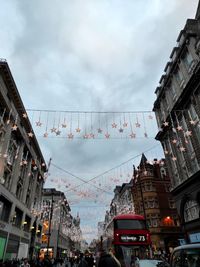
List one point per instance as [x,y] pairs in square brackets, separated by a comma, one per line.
[114,125]
[166,152]
[92,135]
[35,168]
[45,135]
[38,123]
[43,164]
[64,125]
[14,128]
[78,130]
[86,136]
[166,123]
[188,133]
[132,135]
[70,136]
[8,121]
[99,130]
[179,128]
[125,124]
[5,155]
[174,158]
[145,172]
[174,141]
[150,117]
[107,135]
[30,134]
[24,115]
[137,125]
[53,130]
[58,132]
[25,162]
[162,163]
[121,130]
[192,122]
[182,149]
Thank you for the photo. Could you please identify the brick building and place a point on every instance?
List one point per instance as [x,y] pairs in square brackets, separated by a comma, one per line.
[152,199]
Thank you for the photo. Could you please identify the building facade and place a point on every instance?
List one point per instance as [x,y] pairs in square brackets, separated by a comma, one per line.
[177,110]
[22,170]
[61,232]
[152,199]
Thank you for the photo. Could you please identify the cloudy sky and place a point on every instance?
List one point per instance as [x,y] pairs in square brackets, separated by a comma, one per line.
[91,55]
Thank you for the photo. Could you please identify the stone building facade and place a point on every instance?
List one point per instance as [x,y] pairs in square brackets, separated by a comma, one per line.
[152,199]
[177,110]
[61,232]
[22,170]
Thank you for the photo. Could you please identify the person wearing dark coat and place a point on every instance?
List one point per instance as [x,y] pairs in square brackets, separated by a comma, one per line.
[108,260]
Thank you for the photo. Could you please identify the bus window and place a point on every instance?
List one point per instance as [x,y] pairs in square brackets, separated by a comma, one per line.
[130,224]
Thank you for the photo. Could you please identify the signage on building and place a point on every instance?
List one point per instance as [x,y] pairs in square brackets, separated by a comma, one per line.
[194,238]
[133,238]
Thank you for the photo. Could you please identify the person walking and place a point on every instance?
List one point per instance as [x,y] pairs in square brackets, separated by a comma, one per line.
[83,262]
[108,260]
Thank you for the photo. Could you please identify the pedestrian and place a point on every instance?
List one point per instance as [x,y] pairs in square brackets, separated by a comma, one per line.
[83,262]
[108,260]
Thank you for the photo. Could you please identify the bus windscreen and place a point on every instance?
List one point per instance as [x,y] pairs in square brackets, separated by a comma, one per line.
[130,224]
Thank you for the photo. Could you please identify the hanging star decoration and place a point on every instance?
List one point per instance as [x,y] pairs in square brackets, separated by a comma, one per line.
[78,130]
[125,124]
[166,152]
[43,164]
[70,136]
[64,125]
[137,125]
[14,127]
[38,123]
[24,115]
[121,130]
[25,162]
[174,158]
[5,155]
[192,122]
[58,132]
[166,123]
[35,168]
[179,128]
[150,117]
[107,135]
[133,135]
[99,130]
[53,130]
[45,135]
[114,125]
[85,136]
[92,135]
[188,133]
[30,134]
[182,149]
[174,141]
[7,122]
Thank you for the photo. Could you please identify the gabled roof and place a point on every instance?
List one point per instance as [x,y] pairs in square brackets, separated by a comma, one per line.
[198,11]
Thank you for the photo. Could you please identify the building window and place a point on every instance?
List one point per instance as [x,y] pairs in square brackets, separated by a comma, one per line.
[173,92]
[12,151]
[187,59]
[179,76]
[19,188]
[17,218]
[191,210]
[171,203]
[5,209]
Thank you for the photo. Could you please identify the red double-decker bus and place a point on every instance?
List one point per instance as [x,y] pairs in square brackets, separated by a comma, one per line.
[131,238]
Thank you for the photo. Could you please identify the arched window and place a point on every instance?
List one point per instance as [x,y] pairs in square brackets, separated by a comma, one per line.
[191,210]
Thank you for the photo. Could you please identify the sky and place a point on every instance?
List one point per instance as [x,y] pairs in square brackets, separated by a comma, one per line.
[91,55]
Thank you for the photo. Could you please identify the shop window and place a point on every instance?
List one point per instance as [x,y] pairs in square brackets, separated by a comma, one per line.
[5,209]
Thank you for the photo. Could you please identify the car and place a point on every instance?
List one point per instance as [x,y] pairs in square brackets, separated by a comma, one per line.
[149,263]
[186,256]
